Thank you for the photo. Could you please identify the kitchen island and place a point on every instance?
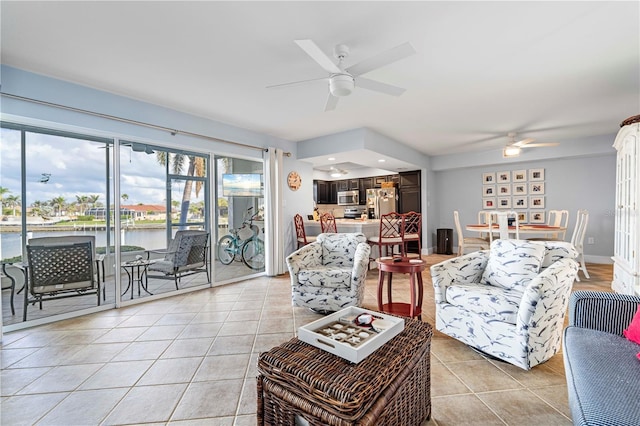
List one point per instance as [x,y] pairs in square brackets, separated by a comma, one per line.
[369,227]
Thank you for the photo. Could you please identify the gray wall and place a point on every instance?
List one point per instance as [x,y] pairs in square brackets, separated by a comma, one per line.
[570,184]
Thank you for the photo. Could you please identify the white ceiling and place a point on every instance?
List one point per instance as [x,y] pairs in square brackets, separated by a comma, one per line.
[552,71]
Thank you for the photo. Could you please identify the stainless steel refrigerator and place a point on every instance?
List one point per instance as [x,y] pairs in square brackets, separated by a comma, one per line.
[381,201]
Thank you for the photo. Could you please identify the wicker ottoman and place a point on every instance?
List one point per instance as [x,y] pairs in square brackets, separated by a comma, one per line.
[390,387]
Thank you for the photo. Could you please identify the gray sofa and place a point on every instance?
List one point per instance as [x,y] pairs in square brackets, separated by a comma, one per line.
[603,373]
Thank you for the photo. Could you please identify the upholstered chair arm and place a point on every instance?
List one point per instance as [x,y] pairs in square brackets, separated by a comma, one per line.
[464,269]
[360,265]
[304,258]
[546,297]
[609,312]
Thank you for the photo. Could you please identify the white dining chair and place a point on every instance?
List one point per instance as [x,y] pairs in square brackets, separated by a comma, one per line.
[502,219]
[467,242]
[484,217]
[577,240]
[558,218]
[555,218]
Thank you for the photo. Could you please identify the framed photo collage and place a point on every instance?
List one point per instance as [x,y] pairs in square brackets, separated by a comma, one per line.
[519,190]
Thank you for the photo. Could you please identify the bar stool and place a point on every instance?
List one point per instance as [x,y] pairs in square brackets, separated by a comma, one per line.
[301,236]
[412,231]
[328,224]
[390,233]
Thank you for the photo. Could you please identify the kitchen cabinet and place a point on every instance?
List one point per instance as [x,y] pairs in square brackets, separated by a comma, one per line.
[365,183]
[354,184]
[626,261]
[333,193]
[409,179]
[378,181]
[343,185]
[320,191]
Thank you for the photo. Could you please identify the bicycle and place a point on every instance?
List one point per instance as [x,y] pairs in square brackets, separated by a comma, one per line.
[245,242]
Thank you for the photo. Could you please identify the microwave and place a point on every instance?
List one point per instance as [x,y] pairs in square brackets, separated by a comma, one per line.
[348,198]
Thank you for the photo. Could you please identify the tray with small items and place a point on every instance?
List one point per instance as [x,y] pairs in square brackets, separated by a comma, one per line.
[352,333]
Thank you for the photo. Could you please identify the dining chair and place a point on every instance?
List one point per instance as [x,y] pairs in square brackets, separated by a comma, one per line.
[484,217]
[328,224]
[389,234]
[555,218]
[467,242]
[502,219]
[301,235]
[412,230]
[558,218]
[577,240]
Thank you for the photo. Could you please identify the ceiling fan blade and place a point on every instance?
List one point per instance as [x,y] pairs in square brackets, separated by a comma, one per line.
[382,59]
[536,145]
[377,86]
[318,55]
[332,101]
[523,142]
[294,83]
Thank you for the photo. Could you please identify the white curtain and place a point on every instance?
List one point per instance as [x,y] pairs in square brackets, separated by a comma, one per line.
[274,241]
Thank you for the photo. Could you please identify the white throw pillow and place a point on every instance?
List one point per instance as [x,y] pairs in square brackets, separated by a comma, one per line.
[513,263]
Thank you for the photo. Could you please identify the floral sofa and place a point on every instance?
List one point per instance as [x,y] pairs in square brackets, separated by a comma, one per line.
[508,302]
[329,273]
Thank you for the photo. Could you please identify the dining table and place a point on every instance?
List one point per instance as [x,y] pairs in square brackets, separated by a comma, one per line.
[539,229]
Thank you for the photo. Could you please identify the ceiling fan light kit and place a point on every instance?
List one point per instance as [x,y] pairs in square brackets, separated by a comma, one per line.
[513,148]
[341,84]
[511,151]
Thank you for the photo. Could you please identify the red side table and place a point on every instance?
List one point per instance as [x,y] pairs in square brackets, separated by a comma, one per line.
[413,267]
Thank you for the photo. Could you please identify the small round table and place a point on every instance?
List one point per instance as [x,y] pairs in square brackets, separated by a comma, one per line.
[413,267]
[137,272]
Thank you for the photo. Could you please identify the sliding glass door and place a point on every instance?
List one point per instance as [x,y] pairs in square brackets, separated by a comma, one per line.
[239,216]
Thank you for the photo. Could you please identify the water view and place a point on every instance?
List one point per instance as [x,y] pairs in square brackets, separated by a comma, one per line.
[11,242]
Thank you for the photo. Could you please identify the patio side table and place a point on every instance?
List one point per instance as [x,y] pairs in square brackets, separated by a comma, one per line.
[137,272]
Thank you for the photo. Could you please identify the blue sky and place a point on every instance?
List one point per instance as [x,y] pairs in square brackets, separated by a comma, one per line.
[77,168]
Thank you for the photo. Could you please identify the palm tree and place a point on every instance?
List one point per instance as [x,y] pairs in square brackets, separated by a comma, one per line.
[93,200]
[13,201]
[58,203]
[38,208]
[196,168]
[3,191]
[82,201]
[124,197]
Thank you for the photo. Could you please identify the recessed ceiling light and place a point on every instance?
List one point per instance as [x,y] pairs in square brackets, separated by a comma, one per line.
[382,160]
[331,158]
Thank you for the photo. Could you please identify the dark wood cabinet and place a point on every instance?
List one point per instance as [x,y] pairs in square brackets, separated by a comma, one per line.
[409,179]
[343,185]
[365,183]
[321,192]
[378,181]
[333,193]
[354,184]
[409,200]
[394,178]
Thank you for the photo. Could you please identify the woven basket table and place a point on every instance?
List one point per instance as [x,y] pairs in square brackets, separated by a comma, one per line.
[392,386]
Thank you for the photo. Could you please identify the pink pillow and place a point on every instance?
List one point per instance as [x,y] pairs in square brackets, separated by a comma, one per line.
[633,331]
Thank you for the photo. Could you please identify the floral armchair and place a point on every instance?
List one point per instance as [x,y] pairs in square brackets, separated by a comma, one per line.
[329,274]
[508,302]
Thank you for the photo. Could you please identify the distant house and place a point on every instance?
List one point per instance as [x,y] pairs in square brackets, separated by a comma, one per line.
[146,211]
[138,211]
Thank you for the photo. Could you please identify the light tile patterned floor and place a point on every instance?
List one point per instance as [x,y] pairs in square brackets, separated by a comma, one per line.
[192,359]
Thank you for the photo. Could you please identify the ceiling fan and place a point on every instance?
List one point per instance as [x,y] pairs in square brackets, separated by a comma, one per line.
[513,148]
[343,80]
